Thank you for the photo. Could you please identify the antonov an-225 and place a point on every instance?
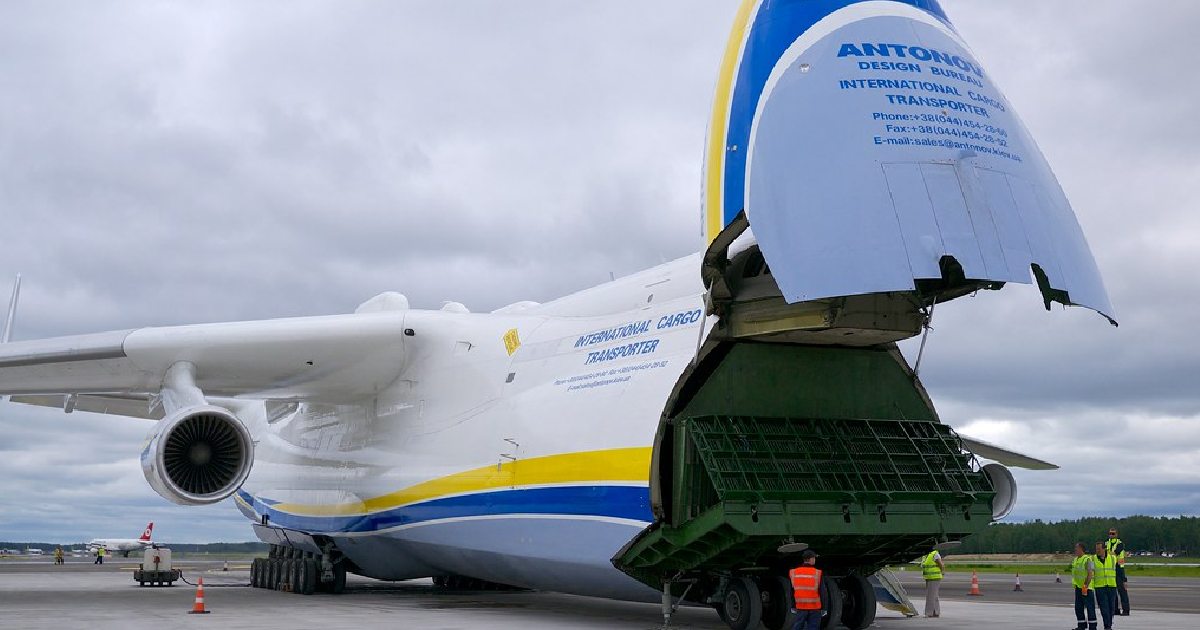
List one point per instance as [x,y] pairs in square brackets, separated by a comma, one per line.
[677,433]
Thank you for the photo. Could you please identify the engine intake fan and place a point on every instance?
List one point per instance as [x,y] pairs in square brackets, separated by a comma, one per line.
[198,455]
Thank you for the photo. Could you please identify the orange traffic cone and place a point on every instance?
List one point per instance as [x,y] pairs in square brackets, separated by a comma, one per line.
[974,584]
[198,607]
[1017,586]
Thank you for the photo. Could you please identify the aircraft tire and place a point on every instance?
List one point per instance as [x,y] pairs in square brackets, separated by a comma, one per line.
[834,605]
[338,586]
[254,573]
[308,576]
[858,602]
[297,575]
[777,605]
[741,604]
[289,574]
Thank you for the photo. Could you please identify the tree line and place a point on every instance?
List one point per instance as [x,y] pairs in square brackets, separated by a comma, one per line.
[1178,534]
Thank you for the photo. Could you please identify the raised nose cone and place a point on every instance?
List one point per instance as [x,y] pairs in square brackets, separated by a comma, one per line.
[871,152]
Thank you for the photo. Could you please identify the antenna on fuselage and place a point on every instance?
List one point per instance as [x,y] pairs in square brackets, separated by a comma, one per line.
[12,311]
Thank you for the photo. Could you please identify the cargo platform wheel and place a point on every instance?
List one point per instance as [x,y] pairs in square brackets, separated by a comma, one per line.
[776,602]
[834,605]
[858,602]
[740,606]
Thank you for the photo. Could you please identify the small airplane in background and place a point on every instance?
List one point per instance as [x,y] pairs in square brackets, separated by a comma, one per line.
[124,545]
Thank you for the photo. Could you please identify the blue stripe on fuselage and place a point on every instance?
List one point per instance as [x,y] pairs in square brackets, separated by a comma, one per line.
[625,502]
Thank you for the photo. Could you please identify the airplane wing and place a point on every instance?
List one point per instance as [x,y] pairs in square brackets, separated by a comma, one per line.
[1003,455]
[329,359]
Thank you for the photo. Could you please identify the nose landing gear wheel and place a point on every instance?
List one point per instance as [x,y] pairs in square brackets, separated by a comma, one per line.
[834,605]
[858,602]
[741,605]
[776,602]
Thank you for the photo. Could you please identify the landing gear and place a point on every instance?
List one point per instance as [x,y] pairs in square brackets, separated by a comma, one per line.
[295,571]
[776,602]
[858,601]
[744,602]
[304,576]
[337,585]
[741,606]
[834,605]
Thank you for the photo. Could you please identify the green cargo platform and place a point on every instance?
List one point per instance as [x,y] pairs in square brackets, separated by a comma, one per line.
[865,493]
[834,447]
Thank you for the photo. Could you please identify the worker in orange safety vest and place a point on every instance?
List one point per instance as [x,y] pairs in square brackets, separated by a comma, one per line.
[809,592]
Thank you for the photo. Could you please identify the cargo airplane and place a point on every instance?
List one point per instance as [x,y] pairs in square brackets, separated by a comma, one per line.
[674,435]
[124,545]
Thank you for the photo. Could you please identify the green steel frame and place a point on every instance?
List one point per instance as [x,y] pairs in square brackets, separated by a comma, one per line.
[838,448]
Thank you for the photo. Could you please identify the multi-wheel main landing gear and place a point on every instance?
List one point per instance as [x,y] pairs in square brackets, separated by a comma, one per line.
[295,571]
[744,602]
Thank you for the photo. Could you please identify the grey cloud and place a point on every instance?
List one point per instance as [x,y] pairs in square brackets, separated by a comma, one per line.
[1112,463]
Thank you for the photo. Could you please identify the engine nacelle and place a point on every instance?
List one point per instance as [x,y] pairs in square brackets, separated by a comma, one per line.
[198,455]
[1005,487]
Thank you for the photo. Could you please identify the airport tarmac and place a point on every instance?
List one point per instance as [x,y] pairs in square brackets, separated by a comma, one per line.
[1177,595]
[38,594]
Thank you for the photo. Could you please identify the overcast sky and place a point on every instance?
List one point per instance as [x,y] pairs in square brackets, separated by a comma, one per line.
[179,162]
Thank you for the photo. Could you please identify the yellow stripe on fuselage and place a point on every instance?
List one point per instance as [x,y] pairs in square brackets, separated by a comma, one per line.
[619,464]
[717,127]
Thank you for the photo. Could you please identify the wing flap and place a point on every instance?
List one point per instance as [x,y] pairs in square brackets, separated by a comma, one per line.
[127,406]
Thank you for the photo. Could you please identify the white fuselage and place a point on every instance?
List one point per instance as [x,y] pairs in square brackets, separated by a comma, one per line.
[529,468]
[118,544]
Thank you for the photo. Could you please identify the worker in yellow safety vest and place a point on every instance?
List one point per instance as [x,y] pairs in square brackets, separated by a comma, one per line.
[1106,584]
[932,568]
[808,592]
[1116,549]
[1083,574]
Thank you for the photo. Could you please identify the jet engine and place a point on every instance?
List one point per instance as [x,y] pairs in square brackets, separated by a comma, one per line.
[1005,487]
[198,455]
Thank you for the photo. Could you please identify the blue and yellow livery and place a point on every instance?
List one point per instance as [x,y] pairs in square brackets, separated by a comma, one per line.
[867,146]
